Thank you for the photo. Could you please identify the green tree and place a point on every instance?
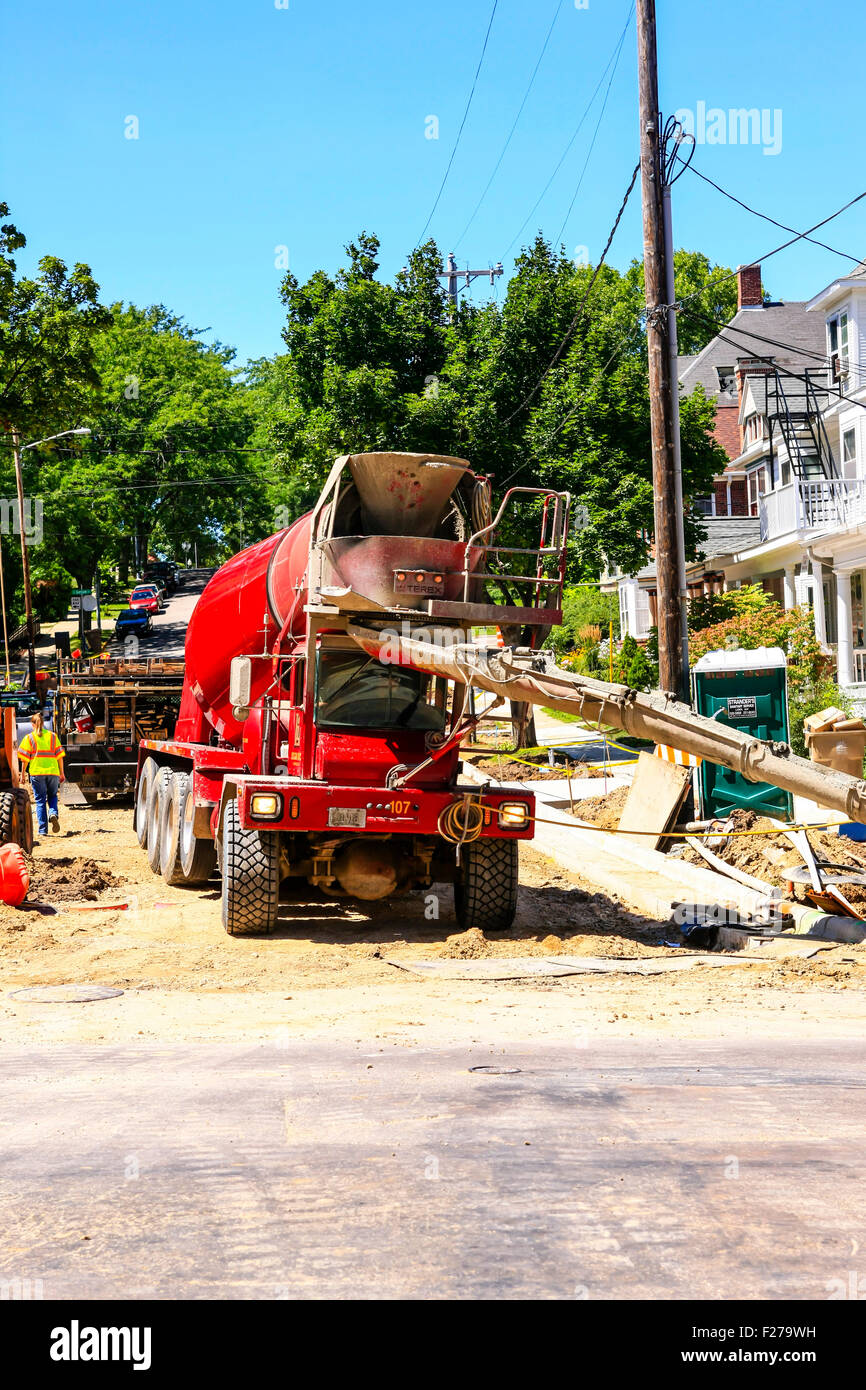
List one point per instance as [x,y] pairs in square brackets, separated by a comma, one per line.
[374,366]
[168,461]
[49,380]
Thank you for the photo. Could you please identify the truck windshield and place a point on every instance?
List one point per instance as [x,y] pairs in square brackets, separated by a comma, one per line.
[356,692]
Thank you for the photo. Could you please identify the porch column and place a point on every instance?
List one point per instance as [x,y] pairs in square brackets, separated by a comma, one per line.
[790,589]
[818,608]
[844,645]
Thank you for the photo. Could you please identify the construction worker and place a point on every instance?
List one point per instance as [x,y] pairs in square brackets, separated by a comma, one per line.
[42,754]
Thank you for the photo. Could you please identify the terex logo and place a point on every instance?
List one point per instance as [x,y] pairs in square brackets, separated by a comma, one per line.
[75,1343]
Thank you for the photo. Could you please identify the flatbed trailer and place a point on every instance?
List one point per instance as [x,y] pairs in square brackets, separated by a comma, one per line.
[104,707]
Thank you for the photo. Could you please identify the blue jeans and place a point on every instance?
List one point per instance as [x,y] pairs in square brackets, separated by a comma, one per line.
[45,791]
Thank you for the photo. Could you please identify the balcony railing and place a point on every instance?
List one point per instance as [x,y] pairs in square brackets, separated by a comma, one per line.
[821,504]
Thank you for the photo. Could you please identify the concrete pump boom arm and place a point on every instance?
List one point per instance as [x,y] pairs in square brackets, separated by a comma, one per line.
[533,677]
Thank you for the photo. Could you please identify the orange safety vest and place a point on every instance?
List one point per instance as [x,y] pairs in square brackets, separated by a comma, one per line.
[41,753]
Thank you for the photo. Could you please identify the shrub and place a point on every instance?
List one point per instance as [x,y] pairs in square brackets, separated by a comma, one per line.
[717,608]
[768,626]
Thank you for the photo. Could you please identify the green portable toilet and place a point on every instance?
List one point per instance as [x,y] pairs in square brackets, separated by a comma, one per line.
[746,690]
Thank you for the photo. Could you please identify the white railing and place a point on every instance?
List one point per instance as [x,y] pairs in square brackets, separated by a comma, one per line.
[822,504]
[859,665]
[778,512]
[832,502]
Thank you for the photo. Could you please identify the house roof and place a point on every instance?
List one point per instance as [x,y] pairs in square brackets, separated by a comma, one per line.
[725,536]
[837,289]
[790,324]
[793,390]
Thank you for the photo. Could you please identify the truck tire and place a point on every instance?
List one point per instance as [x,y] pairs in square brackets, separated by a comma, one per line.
[10,820]
[145,782]
[251,877]
[25,819]
[160,787]
[485,891]
[197,856]
[169,838]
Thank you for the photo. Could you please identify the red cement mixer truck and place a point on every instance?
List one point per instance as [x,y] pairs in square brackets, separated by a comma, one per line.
[301,750]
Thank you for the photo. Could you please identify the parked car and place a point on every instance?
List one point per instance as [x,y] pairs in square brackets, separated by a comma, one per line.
[133,620]
[152,584]
[148,599]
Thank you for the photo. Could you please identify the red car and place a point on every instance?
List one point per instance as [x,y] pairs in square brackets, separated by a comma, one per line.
[146,598]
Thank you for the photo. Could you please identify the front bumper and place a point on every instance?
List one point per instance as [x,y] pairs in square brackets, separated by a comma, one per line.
[324,808]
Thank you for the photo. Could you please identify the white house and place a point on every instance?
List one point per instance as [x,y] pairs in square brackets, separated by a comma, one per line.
[801,422]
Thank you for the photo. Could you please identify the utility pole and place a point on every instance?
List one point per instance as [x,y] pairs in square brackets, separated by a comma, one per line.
[25,563]
[673,354]
[451,274]
[661,414]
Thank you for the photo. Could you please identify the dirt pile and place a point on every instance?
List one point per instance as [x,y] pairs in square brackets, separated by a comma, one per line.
[68,879]
[770,855]
[510,769]
[604,811]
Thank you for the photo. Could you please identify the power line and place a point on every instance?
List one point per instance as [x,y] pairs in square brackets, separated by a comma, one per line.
[766,217]
[613,57]
[624,341]
[513,124]
[558,237]
[758,260]
[571,327]
[788,371]
[462,124]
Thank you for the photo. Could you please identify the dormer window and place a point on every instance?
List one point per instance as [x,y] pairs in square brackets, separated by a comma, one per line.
[837,345]
[754,429]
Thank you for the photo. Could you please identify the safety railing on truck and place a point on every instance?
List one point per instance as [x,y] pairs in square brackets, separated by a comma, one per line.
[541,589]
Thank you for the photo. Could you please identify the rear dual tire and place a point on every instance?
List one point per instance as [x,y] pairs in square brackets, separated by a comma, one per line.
[164,825]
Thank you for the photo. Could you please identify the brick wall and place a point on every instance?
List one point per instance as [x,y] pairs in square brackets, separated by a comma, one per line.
[727,429]
[749,286]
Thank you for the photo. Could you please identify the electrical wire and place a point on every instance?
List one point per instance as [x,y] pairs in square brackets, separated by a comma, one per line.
[558,238]
[462,124]
[504,149]
[613,58]
[786,371]
[766,217]
[759,260]
[571,327]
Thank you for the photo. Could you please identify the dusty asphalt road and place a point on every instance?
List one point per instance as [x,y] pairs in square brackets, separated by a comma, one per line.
[654,1171]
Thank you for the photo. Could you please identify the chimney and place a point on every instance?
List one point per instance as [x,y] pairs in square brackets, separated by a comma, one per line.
[749,290]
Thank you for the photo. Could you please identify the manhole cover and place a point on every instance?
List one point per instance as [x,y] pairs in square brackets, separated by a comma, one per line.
[497,1071]
[64,994]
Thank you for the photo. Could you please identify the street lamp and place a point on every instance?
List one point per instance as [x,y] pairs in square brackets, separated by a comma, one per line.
[18,449]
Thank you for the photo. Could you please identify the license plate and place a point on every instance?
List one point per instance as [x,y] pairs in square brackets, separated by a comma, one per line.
[355,816]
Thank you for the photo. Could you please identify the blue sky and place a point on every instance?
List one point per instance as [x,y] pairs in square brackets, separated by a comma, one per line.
[262,127]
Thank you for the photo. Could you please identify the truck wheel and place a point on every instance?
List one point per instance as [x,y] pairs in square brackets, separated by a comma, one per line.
[25,819]
[169,839]
[251,877]
[485,891]
[197,856]
[160,788]
[10,822]
[145,782]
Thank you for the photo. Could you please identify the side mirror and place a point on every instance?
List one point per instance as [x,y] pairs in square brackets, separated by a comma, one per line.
[240,686]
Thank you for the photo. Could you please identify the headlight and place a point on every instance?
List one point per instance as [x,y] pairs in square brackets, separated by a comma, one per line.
[267,805]
[513,815]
